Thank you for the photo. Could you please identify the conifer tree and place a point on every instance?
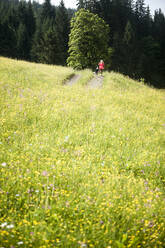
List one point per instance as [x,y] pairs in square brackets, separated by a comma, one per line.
[8,25]
[63,27]
[22,42]
[47,11]
[36,48]
[7,40]
[25,30]
[50,53]
[128,50]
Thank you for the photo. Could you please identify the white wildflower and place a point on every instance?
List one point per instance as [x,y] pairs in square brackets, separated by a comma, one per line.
[4,164]
[10,226]
[20,243]
[4,224]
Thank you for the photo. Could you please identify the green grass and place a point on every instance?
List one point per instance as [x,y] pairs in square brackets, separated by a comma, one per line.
[79,167]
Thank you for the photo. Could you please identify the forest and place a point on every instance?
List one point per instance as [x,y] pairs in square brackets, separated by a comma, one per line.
[40,33]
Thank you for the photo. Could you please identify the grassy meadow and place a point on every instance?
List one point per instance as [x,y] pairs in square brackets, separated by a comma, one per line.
[80,167]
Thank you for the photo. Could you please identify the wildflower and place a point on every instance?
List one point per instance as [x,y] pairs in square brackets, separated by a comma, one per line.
[4,224]
[103,163]
[66,138]
[4,164]
[10,226]
[83,245]
[44,173]
[20,243]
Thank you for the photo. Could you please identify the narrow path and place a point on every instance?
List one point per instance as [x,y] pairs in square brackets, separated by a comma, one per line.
[96,82]
[72,80]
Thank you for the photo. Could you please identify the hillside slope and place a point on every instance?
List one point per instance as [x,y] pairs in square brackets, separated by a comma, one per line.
[79,167]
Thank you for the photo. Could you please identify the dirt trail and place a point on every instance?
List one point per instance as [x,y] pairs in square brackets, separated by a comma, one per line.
[96,82]
[73,80]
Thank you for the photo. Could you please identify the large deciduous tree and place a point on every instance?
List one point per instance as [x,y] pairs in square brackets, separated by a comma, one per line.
[88,41]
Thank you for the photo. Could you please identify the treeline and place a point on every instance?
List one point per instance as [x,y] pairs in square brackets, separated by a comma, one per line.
[137,38]
[40,33]
[34,32]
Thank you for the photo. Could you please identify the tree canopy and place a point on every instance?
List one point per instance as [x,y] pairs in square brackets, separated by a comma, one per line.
[88,41]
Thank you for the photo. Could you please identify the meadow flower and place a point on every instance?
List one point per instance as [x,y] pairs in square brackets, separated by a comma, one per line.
[10,226]
[20,243]
[45,173]
[66,138]
[83,245]
[103,163]
[4,224]
[4,164]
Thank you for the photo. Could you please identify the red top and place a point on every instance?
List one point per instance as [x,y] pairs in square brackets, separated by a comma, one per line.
[101,65]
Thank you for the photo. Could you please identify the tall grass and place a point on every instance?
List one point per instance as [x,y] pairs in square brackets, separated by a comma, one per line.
[79,167]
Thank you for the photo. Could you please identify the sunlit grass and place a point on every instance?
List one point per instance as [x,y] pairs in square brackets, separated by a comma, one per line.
[79,167]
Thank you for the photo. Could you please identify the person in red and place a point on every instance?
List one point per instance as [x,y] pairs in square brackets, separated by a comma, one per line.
[101,66]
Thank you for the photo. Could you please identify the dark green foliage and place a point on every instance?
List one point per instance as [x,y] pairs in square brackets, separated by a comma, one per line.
[47,12]
[22,42]
[46,44]
[25,30]
[7,40]
[63,29]
[50,44]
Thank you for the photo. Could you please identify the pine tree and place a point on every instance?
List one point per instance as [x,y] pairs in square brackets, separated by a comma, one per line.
[158,33]
[63,27]
[90,5]
[7,40]
[22,42]
[128,65]
[8,23]
[36,48]
[47,11]
[80,4]
[25,30]
[50,52]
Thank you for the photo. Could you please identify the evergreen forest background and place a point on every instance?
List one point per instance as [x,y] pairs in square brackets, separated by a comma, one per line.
[40,33]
